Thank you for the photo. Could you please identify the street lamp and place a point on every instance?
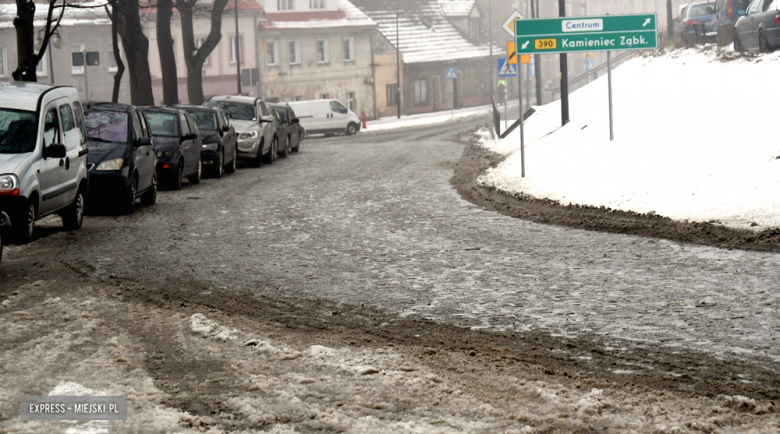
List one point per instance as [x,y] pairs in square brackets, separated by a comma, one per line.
[56,40]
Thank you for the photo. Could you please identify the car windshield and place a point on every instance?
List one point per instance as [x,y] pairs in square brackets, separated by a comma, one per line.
[205,120]
[106,126]
[282,113]
[235,110]
[163,124]
[699,10]
[17,131]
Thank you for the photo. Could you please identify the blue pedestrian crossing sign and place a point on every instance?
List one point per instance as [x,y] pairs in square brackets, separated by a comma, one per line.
[506,69]
[452,73]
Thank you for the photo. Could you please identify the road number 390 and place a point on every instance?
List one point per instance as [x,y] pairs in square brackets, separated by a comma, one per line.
[546,44]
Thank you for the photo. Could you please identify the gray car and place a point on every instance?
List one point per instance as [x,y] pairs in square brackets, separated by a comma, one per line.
[759,28]
[254,124]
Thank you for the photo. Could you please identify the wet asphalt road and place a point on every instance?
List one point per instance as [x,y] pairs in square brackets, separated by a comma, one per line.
[373,220]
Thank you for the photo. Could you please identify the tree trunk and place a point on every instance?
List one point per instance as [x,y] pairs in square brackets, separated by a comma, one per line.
[25,41]
[120,65]
[193,57]
[136,50]
[167,55]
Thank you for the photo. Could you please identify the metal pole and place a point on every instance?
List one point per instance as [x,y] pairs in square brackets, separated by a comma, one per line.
[564,73]
[453,98]
[506,116]
[522,121]
[397,65]
[238,53]
[527,68]
[257,58]
[537,58]
[609,80]
[51,69]
[490,41]
[86,86]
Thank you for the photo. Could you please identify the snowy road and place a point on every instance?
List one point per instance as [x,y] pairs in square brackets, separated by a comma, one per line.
[372,221]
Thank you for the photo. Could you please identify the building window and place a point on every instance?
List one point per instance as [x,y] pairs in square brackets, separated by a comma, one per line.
[421,90]
[316,4]
[272,53]
[392,94]
[349,49]
[199,43]
[322,51]
[352,101]
[325,96]
[295,52]
[3,68]
[233,57]
[77,70]
[41,69]
[474,29]
[285,5]
[298,98]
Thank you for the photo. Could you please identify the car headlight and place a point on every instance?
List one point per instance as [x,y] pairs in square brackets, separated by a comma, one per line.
[9,185]
[164,154]
[114,164]
[249,135]
[211,146]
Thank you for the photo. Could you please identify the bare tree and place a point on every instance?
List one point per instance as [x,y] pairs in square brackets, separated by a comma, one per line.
[127,16]
[120,65]
[170,80]
[24,22]
[195,56]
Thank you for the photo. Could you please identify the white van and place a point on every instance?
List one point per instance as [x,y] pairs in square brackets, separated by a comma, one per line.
[43,156]
[325,116]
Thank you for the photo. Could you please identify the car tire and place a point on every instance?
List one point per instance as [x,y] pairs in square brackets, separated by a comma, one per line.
[738,44]
[258,160]
[231,167]
[73,214]
[286,150]
[763,44]
[177,180]
[352,129]
[23,224]
[270,157]
[219,168]
[195,177]
[127,206]
[150,196]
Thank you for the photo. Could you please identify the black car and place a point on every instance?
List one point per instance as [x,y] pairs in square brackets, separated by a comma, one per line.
[220,141]
[291,126]
[178,144]
[121,159]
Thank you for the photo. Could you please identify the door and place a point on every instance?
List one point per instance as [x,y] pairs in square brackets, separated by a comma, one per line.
[51,177]
[196,145]
[339,116]
[747,34]
[268,128]
[144,155]
[73,144]
[295,130]
[229,139]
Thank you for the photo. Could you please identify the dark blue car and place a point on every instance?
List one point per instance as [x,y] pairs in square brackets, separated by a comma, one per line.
[697,15]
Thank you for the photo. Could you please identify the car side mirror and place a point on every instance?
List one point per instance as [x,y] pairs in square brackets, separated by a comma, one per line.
[225,129]
[143,141]
[267,119]
[189,136]
[710,10]
[55,150]
[295,121]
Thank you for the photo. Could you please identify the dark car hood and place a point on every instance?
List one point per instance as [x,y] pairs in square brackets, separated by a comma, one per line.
[164,143]
[99,151]
[210,137]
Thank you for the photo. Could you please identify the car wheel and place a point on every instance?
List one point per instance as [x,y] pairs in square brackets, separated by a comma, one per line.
[73,214]
[258,160]
[231,168]
[179,176]
[195,177]
[270,157]
[738,44]
[23,224]
[128,204]
[352,128]
[219,169]
[286,150]
[150,196]
[763,44]
[295,149]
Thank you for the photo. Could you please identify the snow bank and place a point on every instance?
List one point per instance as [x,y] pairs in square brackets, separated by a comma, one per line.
[695,139]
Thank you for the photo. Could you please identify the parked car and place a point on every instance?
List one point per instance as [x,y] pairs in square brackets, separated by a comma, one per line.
[291,127]
[728,12]
[759,28]
[696,15]
[257,140]
[679,26]
[177,142]
[326,116]
[219,139]
[4,222]
[43,157]
[122,158]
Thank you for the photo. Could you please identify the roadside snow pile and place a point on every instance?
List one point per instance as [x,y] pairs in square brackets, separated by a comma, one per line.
[410,121]
[695,139]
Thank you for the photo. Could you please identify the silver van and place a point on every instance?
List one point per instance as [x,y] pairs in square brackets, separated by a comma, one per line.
[326,116]
[43,156]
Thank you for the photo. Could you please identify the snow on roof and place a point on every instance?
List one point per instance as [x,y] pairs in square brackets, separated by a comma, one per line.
[84,15]
[425,35]
[347,16]
[456,8]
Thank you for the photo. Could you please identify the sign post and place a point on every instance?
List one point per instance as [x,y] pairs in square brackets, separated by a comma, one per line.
[506,69]
[522,122]
[585,34]
[452,74]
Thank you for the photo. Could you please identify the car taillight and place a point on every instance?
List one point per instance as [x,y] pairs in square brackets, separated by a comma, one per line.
[690,23]
[731,10]
[777,19]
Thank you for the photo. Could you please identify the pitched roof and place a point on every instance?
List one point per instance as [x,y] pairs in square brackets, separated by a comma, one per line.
[347,16]
[425,35]
[456,8]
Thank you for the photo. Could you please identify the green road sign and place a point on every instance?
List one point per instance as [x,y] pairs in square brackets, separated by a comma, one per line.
[573,34]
